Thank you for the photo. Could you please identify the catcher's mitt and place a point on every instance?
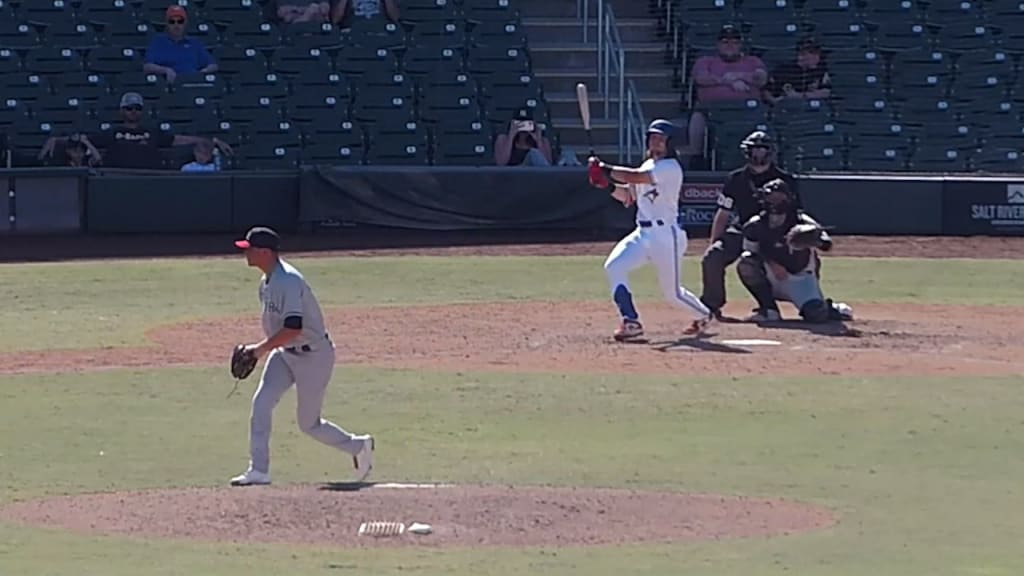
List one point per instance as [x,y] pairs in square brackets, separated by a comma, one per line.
[243,362]
[805,236]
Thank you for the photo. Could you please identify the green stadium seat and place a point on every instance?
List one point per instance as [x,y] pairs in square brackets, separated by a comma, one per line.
[439,33]
[398,150]
[181,105]
[432,60]
[292,61]
[901,34]
[87,85]
[998,159]
[841,33]
[53,60]
[878,153]
[69,32]
[113,60]
[307,35]
[12,111]
[358,59]
[24,86]
[878,11]
[921,73]
[824,153]
[968,34]
[947,11]
[16,34]
[938,158]
[479,10]
[248,34]
[439,105]
[463,149]
[315,106]
[233,60]
[498,33]
[417,11]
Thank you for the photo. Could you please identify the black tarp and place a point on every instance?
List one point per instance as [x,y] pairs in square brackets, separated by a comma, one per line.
[436,198]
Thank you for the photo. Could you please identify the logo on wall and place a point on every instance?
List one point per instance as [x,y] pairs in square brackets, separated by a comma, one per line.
[700,193]
[1015,193]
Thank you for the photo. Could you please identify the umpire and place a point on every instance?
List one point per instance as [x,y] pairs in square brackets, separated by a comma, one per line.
[739,201]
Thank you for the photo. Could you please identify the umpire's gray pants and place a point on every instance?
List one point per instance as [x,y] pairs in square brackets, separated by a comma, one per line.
[310,372]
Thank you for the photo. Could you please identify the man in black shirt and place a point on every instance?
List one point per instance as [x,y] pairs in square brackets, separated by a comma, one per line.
[132,145]
[807,78]
[739,201]
[771,269]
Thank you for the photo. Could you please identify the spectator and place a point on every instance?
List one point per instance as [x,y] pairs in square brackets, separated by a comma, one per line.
[79,152]
[131,145]
[204,160]
[523,145]
[806,78]
[730,74]
[345,10]
[173,53]
[290,11]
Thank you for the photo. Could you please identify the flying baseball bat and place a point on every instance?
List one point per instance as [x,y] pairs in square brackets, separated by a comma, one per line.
[583,99]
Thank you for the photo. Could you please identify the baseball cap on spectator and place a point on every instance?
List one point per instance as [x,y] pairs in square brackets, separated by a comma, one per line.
[175,11]
[260,237]
[131,99]
[729,32]
[808,44]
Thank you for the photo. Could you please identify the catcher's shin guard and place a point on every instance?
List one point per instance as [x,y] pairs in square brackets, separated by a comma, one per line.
[752,273]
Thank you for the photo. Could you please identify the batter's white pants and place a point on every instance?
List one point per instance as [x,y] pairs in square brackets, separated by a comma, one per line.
[664,247]
[310,372]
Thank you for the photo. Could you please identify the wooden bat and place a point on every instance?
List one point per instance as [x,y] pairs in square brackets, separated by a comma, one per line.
[583,99]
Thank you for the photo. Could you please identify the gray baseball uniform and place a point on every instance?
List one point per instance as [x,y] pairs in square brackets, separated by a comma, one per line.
[307,362]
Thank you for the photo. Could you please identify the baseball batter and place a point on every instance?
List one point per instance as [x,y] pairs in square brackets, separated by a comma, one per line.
[659,237]
[784,271]
[300,352]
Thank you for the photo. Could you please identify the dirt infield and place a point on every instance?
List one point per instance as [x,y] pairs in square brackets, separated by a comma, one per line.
[567,337]
[458,515]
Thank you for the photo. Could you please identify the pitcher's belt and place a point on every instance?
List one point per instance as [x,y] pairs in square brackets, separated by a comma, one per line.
[305,347]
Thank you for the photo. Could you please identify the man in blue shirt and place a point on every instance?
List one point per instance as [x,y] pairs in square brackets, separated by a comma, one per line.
[172,52]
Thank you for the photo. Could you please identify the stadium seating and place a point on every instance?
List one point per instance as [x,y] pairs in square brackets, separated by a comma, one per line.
[428,90]
[931,85]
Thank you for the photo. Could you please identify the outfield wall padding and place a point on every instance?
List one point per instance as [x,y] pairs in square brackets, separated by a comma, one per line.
[471,198]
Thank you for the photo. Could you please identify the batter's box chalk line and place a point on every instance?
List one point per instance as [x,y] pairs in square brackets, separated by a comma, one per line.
[751,342]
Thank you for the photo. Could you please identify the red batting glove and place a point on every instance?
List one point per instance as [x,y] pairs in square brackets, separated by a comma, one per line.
[596,174]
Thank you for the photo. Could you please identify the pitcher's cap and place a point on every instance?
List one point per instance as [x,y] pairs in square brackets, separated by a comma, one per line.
[260,237]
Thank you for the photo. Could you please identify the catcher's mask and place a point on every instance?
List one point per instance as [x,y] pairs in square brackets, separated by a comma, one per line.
[759,148]
[777,196]
[666,129]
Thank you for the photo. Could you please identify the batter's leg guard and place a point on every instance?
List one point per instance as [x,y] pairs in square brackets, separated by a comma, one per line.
[752,274]
[816,311]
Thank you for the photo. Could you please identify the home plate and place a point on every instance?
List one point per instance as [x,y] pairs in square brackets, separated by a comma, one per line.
[752,342]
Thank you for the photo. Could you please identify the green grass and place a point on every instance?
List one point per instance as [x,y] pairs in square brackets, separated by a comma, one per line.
[924,473]
[924,483]
[90,304]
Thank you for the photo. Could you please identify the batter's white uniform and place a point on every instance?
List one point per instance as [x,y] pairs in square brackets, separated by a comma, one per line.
[307,362]
[659,239]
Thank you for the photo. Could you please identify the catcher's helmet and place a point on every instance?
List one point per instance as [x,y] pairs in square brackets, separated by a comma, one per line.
[777,195]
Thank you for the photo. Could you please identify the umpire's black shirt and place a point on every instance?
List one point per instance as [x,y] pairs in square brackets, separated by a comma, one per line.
[740,196]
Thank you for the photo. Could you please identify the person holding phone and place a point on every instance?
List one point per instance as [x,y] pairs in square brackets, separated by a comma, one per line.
[523,145]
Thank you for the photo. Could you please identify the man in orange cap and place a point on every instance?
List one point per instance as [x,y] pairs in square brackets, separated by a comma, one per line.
[172,52]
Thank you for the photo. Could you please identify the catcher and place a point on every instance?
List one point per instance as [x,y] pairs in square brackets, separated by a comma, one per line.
[783,242]
[299,352]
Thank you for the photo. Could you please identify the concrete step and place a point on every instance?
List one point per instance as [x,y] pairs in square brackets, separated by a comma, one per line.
[603,132]
[654,105]
[581,56]
[541,30]
[565,80]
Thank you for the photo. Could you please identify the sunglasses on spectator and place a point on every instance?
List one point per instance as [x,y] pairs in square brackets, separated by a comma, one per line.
[176,21]
[134,108]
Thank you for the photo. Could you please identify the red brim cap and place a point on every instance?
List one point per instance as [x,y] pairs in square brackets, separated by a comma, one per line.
[242,244]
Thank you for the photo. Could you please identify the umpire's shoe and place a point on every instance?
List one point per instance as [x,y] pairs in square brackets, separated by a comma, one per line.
[628,330]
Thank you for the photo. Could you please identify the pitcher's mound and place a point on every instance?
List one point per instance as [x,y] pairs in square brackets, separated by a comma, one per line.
[459,515]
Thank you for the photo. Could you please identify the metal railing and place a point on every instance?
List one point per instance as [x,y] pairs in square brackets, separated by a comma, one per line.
[611,76]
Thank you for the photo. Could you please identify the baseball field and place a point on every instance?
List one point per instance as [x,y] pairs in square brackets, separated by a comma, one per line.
[508,420]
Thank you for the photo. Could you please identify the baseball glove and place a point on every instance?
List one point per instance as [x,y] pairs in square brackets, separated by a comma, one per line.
[805,236]
[243,362]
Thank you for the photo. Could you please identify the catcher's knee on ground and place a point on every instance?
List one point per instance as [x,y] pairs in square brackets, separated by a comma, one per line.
[754,277]
[816,311]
